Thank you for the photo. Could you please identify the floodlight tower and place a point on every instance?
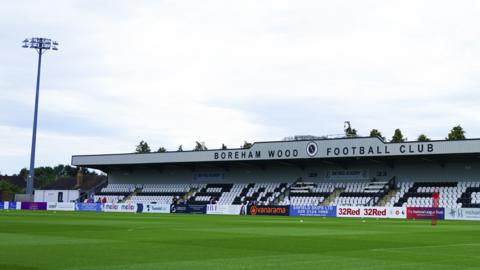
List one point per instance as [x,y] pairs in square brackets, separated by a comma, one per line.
[41,45]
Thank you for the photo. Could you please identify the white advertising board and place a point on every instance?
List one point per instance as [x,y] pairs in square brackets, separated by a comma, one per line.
[371,212]
[397,212]
[120,207]
[462,213]
[56,206]
[156,208]
[223,209]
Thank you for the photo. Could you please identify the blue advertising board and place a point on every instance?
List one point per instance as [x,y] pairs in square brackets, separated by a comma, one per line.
[197,209]
[90,207]
[2,205]
[178,208]
[12,205]
[313,210]
[188,209]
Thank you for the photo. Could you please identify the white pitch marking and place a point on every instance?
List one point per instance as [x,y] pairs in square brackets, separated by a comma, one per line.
[433,246]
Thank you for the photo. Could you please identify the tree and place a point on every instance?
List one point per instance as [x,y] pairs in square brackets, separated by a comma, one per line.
[457,133]
[246,145]
[161,150]
[67,170]
[59,170]
[398,137]
[44,176]
[23,173]
[180,148]
[224,147]
[142,147]
[200,146]
[376,133]
[8,188]
[423,138]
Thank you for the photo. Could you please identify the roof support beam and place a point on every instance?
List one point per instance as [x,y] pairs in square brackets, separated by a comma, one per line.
[343,165]
[439,161]
[256,165]
[293,164]
[389,163]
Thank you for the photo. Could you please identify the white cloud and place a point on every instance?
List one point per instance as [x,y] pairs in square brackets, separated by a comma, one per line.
[173,72]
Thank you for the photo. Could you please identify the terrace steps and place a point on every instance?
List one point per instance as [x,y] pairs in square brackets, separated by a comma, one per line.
[332,196]
[388,197]
[126,198]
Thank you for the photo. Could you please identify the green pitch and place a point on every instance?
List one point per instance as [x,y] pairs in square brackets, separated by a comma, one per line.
[76,240]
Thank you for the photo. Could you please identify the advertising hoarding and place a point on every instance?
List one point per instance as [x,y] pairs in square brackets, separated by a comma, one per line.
[223,209]
[313,210]
[462,213]
[156,208]
[56,206]
[89,207]
[371,212]
[120,207]
[34,206]
[425,212]
[188,209]
[264,210]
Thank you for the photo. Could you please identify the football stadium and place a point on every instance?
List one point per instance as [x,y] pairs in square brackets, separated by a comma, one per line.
[190,73]
[344,203]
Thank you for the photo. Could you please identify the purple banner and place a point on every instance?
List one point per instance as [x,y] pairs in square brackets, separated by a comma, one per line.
[34,206]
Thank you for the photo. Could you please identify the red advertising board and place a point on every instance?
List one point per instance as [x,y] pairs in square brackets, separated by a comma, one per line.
[425,213]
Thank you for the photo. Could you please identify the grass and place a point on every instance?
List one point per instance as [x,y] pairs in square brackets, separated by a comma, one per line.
[81,240]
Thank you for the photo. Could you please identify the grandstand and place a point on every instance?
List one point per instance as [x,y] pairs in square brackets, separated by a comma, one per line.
[342,172]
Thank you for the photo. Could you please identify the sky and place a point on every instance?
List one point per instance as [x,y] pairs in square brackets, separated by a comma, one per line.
[175,72]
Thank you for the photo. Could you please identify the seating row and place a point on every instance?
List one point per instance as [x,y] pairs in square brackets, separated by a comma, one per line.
[452,194]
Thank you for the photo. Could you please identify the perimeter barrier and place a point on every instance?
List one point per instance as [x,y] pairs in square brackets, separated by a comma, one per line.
[188,209]
[153,208]
[120,207]
[59,206]
[225,209]
[372,212]
[89,207]
[265,210]
[313,211]
[462,213]
[13,206]
[33,206]
[256,210]
[425,212]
